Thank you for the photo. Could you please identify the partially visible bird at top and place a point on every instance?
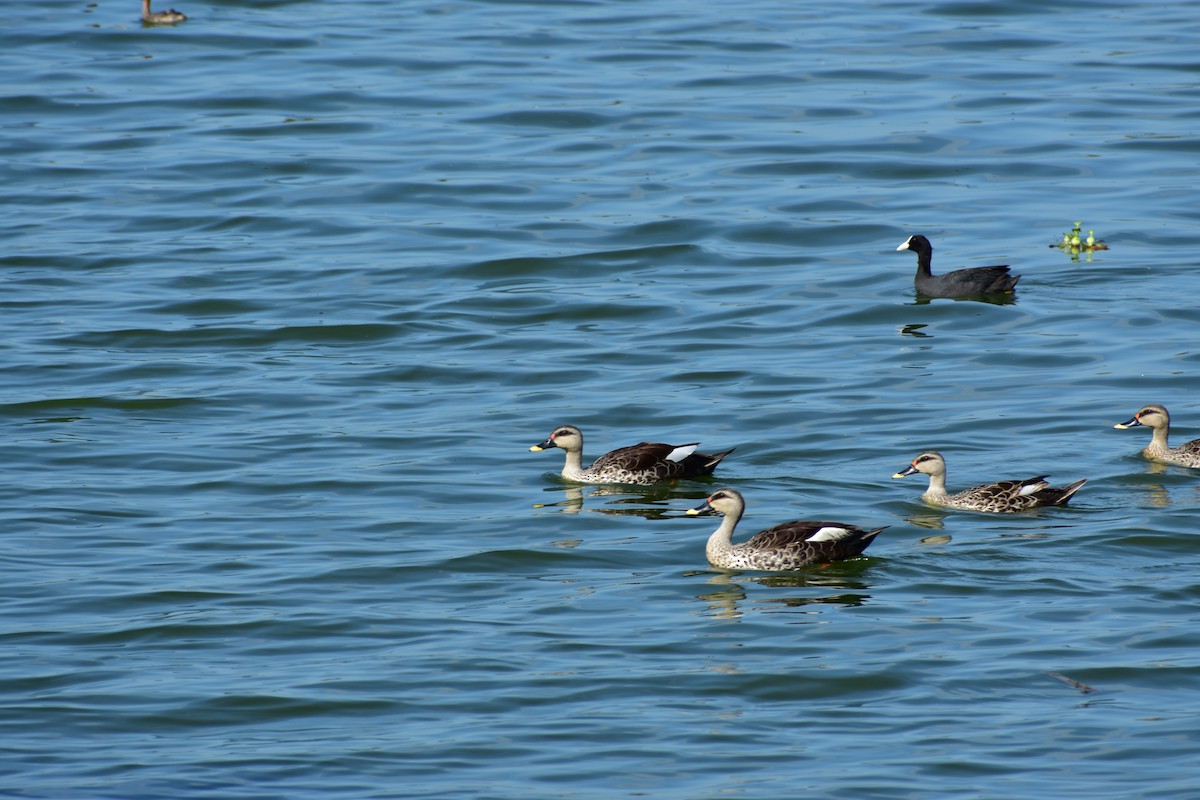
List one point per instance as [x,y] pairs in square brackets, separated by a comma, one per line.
[168,17]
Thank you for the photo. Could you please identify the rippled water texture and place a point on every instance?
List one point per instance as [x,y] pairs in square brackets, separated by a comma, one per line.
[291,288]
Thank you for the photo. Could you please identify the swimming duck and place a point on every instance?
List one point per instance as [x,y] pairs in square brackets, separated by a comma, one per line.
[998,498]
[169,17]
[1156,418]
[787,546]
[643,464]
[960,282]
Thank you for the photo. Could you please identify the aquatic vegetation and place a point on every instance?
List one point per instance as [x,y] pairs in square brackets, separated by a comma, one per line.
[1074,244]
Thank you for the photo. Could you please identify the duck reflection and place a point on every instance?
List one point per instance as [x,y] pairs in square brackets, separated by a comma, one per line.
[1157,494]
[626,500]
[930,521]
[1155,482]
[729,589]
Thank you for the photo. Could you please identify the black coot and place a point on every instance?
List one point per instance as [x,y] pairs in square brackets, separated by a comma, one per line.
[961,282]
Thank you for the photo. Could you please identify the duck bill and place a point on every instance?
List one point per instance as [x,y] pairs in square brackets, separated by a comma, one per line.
[703,508]
[1133,423]
[904,245]
[546,445]
[904,473]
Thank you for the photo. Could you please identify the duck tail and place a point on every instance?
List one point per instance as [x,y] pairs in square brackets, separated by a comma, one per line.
[864,541]
[1066,492]
[711,461]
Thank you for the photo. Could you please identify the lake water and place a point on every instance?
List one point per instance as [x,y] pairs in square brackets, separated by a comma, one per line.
[291,288]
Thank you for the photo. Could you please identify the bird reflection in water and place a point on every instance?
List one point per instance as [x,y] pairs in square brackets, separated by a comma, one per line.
[933,521]
[1157,493]
[914,329]
[990,299]
[729,592]
[628,501]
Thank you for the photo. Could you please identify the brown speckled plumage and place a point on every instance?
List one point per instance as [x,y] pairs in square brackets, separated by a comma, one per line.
[1001,497]
[640,464]
[787,546]
[1156,418]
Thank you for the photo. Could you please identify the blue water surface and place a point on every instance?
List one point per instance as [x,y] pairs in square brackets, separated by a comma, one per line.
[290,288]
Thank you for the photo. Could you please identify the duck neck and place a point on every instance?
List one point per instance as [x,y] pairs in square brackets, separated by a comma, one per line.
[573,466]
[720,544]
[1158,442]
[937,487]
[145,9]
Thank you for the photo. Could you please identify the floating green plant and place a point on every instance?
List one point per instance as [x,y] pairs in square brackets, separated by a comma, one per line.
[1075,244]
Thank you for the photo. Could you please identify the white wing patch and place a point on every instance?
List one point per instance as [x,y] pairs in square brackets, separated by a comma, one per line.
[829,534]
[1032,488]
[682,452]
